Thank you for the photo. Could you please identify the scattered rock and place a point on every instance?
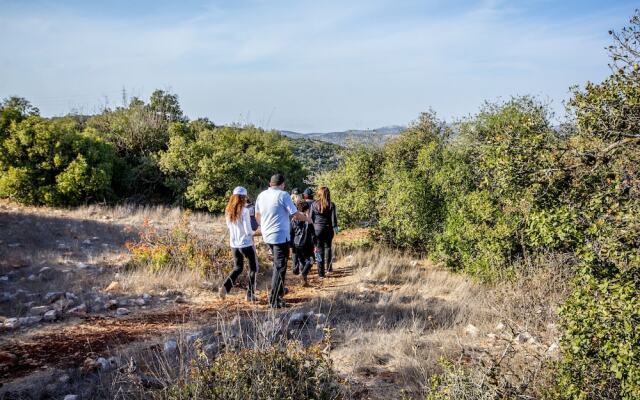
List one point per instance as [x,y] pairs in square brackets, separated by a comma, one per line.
[81,309]
[13,245]
[192,337]
[297,318]
[471,330]
[32,278]
[122,311]
[81,265]
[321,318]
[63,378]
[525,337]
[170,346]
[70,296]
[113,287]
[51,315]
[553,349]
[47,273]
[491,336]
[103,363]
[140,302]
[62,304]
[12,323]
[5,297]
[111,304]
[53,296]
[86,241]
[4,278]
[146,296]
[180,300]
[499,327]
[71,397]
[40,310]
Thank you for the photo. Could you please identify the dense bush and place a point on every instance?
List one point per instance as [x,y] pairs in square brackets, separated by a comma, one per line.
[289,372]
[507,185]
[138,132]
[52,162]
[354,185]
[203,164]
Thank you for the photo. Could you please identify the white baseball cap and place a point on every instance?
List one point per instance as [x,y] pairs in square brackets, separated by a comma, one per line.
[240,190]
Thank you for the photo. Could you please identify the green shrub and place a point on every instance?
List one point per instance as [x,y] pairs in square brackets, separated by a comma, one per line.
[289,372]
[601,339]
[51,162]
[203,164]
[354,185]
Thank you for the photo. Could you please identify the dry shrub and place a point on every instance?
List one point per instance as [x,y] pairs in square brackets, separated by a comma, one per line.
[286,372]
[177,248]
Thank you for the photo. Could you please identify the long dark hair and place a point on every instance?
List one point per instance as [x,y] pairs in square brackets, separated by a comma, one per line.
[323,199]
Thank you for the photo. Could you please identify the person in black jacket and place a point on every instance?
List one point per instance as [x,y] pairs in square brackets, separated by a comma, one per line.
[302,242]
[325,223]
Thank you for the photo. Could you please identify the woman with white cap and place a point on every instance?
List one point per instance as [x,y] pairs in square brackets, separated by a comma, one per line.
[241,240]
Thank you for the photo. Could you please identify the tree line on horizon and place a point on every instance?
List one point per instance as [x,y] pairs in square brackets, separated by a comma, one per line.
[143,152]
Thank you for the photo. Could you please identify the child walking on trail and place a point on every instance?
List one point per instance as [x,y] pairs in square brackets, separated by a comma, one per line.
[303,239]
[241,240]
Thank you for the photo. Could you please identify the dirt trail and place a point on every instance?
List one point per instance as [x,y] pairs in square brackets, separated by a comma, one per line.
[67,346]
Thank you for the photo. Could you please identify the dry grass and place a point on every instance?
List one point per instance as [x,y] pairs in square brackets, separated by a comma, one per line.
[399,316]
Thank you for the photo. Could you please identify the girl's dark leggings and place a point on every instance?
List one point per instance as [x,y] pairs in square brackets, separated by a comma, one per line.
[238,262]
[324,244]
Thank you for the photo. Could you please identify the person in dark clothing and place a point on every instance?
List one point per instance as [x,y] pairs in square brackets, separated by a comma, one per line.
[252,214]
[302,241]
[325,223]
[307,195]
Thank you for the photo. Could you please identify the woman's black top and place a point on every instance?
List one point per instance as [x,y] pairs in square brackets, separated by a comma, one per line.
[324,222]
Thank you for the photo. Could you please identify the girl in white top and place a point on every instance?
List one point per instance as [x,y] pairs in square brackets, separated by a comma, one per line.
[241,242]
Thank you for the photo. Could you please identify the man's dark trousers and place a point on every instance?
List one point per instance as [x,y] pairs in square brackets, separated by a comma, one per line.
[280,260]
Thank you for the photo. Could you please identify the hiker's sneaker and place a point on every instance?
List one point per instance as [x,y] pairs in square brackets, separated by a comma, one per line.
[278,304]
[285,291]
[296,271]
[222,292]
[305,282]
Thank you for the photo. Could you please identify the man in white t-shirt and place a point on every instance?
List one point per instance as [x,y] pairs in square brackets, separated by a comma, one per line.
[274,211]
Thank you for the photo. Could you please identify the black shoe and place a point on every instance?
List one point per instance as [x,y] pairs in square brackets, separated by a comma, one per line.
[296,271]
[278,304]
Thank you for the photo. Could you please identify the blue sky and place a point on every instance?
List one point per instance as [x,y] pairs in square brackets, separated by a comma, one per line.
[303,65]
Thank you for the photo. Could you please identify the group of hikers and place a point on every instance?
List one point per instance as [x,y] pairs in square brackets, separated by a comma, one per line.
[287,222]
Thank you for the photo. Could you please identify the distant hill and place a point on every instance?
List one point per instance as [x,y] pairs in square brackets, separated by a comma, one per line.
[316,155]
[370,136]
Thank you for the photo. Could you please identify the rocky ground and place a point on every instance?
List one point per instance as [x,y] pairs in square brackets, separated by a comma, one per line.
[67,316]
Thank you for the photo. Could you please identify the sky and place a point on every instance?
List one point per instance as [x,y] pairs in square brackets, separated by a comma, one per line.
[306,66]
